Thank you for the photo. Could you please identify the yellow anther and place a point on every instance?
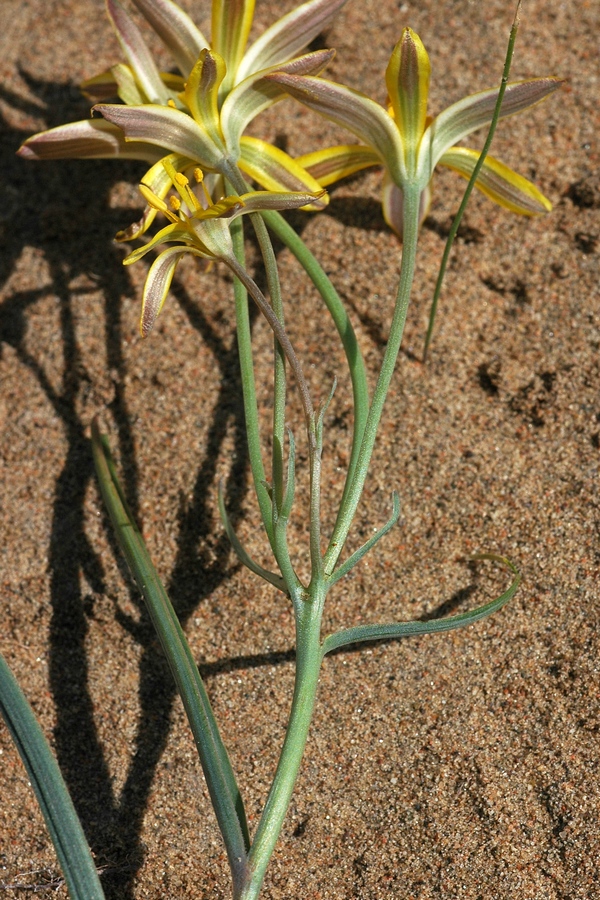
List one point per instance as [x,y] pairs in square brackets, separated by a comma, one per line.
[198,175]
[151,199]
[175,203]
[181,179]
[171,103]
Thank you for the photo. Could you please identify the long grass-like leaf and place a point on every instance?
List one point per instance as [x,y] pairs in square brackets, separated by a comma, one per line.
[407,629]
[220,779]
[50,789]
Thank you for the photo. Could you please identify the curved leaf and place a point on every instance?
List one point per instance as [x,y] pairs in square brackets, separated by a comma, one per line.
[407,629]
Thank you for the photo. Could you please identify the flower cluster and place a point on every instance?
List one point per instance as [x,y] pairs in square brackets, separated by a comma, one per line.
[197,118]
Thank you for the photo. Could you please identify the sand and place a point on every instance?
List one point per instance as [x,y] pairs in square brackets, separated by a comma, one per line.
[452,766]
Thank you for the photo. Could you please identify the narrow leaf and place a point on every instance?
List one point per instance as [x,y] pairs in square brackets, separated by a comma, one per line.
[407,629]
[368,545]
[241,552]
[220,779]
[50,789]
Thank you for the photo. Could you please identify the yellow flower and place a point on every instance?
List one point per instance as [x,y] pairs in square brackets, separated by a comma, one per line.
[406,142]
[200,227]
[198,117]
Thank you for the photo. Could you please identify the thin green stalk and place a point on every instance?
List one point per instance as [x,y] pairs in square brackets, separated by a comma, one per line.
[354,358]
[244,339]
[267,311]
[409,252]
[279,381]
[50,789]
[308,662]
[474,175]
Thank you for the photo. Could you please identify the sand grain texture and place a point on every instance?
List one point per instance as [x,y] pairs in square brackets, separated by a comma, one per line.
[459,766]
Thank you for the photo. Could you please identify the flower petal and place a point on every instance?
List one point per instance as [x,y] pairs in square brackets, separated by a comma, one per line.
[178,232]
[201,93]
[288,35]
[176,30]
[498,182]
[257,200]
[159,182]
[88,139]
[137,53]
[274,170]
[255,94]
[475,111]
[393,205]
[352,110]
[231,21]
[338,162]
[100,88]
[407,80]
[103,87]
[158,282]
[168,128]
[127,87]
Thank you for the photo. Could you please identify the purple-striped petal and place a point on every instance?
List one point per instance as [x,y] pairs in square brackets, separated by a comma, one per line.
[256,93]
[466,116]
[158,283]
[334,163]
[176,30]
[137,53]
[352,110]
[168,128]
[288,35]
[88,139]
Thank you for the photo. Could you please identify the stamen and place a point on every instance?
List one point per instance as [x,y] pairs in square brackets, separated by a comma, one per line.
[198,175]
[175,203]
[152,200]
[171,103]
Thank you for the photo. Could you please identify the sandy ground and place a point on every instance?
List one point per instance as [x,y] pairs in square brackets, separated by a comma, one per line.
[458,766]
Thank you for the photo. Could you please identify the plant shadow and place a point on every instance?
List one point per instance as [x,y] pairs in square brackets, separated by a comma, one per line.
[62,210]
[66,217]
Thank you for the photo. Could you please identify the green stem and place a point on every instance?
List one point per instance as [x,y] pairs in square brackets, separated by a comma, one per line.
[308,662]
[279,380]
[220,778]
[474,175]
[356,365]
[409,252]
[244,339]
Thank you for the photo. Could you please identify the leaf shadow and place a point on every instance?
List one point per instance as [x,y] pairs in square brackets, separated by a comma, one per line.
[62,210]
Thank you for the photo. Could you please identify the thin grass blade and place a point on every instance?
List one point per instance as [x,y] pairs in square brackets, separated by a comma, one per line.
[220,779]
[50,789]
[407,629]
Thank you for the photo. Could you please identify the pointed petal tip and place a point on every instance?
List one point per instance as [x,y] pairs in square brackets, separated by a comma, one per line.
[26,152]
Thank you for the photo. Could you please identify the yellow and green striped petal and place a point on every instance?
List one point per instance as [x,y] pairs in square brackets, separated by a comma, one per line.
[335,163]
[407,80]
[231,22]
[275,170]
[498,182]
[201,93]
